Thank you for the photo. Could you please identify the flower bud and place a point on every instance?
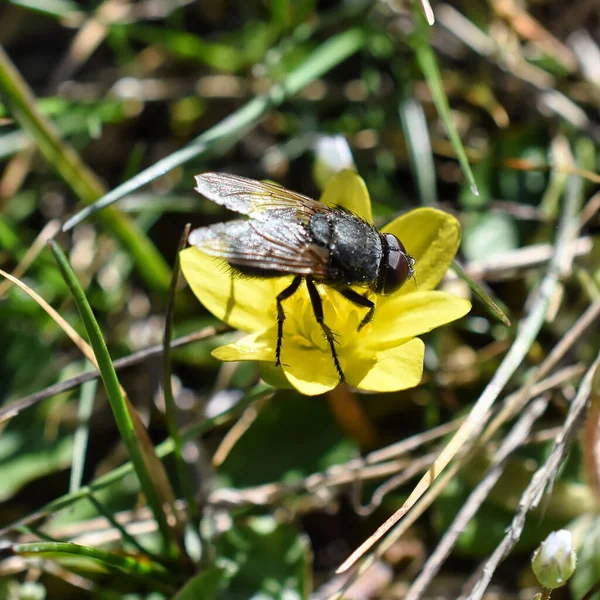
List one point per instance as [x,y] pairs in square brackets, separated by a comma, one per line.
[554,561]
[333,155]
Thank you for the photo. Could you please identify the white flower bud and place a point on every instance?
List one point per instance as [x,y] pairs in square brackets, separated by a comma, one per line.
[554,561]
[333,155]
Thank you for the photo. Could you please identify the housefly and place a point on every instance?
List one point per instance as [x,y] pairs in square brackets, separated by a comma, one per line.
[290,234]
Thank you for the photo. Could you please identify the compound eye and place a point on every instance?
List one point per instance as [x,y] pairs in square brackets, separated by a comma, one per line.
[398,266]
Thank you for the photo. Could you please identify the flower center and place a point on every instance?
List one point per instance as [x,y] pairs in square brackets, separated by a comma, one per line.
[340,316]
[304,329]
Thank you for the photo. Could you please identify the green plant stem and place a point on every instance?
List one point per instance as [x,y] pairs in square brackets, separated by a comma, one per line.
[491,306]
[113,390]
[33,532]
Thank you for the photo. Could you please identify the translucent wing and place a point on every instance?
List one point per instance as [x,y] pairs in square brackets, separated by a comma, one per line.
[274,245]
[257,199]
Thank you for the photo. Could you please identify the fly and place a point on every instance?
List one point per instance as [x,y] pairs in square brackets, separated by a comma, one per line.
[291,234]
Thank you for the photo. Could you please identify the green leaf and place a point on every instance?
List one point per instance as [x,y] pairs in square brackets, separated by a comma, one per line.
[588,557]
[130,428]
[488,234]
[484,170]
[205,585]
[269,560]
[25,455]
[303,438]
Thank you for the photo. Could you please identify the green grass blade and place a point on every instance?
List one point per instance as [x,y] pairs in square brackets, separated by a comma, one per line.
[221,136]
[189,46]
[35,532]
[125,535]
[80,440]
[414,126]
[123,418]
[485,298]
[152,572]
[84,183]
[428,64]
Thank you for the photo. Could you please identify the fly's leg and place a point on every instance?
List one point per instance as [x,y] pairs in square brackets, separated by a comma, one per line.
[317,306]
[360,300]
[290,290]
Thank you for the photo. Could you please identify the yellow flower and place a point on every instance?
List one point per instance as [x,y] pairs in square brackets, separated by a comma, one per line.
[386,355]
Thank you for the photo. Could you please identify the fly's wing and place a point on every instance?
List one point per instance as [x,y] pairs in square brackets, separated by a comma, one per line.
[274,245]
[258,199]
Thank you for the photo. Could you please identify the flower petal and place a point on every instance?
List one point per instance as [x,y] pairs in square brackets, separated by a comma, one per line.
[397,368]
[256,346]
[273,375]
[400,317]
[348,190]
[310,370]
[431,237]
[246,304]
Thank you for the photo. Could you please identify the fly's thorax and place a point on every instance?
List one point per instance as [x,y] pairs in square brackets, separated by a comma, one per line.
[320,229]
[354,246]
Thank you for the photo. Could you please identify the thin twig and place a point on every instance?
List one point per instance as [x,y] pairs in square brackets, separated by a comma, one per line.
[417,466]
[14,408]
[513,440]
[516,401]
[505,265]
[539,483]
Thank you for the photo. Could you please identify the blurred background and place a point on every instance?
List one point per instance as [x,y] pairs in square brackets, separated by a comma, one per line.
[93,94]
